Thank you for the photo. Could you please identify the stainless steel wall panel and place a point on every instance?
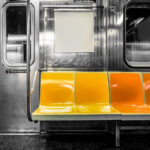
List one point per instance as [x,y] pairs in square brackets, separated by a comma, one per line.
[115,35]
[76,61]
[13,115]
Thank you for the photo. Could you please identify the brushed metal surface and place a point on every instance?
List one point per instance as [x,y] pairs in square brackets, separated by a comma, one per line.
[83,61]
[13,116]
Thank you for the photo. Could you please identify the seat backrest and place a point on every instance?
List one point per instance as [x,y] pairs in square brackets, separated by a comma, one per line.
[57,88]
[146,81]
[126,89]
[91,88]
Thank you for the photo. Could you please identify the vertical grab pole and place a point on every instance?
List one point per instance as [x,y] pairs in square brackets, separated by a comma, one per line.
[28,60]
[117,133]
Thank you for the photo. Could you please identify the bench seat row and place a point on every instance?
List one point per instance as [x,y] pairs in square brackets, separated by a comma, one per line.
[94,96]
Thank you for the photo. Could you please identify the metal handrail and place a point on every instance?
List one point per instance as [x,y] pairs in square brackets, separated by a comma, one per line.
[28,60]
[128,1]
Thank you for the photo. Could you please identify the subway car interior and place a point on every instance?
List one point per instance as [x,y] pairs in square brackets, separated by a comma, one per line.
[75,74]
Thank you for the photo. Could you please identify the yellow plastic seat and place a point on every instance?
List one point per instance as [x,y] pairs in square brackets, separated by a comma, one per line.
[92,94]
[57,94]
[127,94]
[75,96]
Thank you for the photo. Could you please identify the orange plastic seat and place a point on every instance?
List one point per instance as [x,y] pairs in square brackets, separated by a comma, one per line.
[92,94]
[127,93]
[57,94]
[146,80]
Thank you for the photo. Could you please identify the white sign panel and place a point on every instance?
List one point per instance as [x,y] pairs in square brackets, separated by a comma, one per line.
[74,31]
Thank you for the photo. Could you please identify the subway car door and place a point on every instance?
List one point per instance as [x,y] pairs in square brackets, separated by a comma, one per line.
[13,115]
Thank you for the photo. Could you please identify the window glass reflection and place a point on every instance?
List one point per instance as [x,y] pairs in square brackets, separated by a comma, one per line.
[138,35]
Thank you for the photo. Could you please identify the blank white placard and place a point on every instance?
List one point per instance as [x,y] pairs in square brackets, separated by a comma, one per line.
[74,31]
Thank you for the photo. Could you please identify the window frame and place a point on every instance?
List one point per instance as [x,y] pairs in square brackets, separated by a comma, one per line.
[4,38]
[129,63]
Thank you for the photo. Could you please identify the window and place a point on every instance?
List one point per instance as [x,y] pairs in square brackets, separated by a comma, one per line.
[137,46]
[14,35]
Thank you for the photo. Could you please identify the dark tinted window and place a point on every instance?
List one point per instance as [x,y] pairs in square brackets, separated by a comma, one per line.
[138,35]
[16,20]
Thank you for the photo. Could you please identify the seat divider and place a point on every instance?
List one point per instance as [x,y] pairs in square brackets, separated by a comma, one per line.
[74,74]
[109,90]
[141,74]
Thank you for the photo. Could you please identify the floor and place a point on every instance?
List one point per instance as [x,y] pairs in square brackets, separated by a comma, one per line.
[74,142]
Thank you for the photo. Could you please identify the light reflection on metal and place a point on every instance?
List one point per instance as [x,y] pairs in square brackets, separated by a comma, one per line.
[120,20]
[28,60]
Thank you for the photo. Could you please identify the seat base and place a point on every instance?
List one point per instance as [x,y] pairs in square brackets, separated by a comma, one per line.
[76,113]
[135,117]
[133,109]
[76,117]
[134,112]
[54,110]
[96,109]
